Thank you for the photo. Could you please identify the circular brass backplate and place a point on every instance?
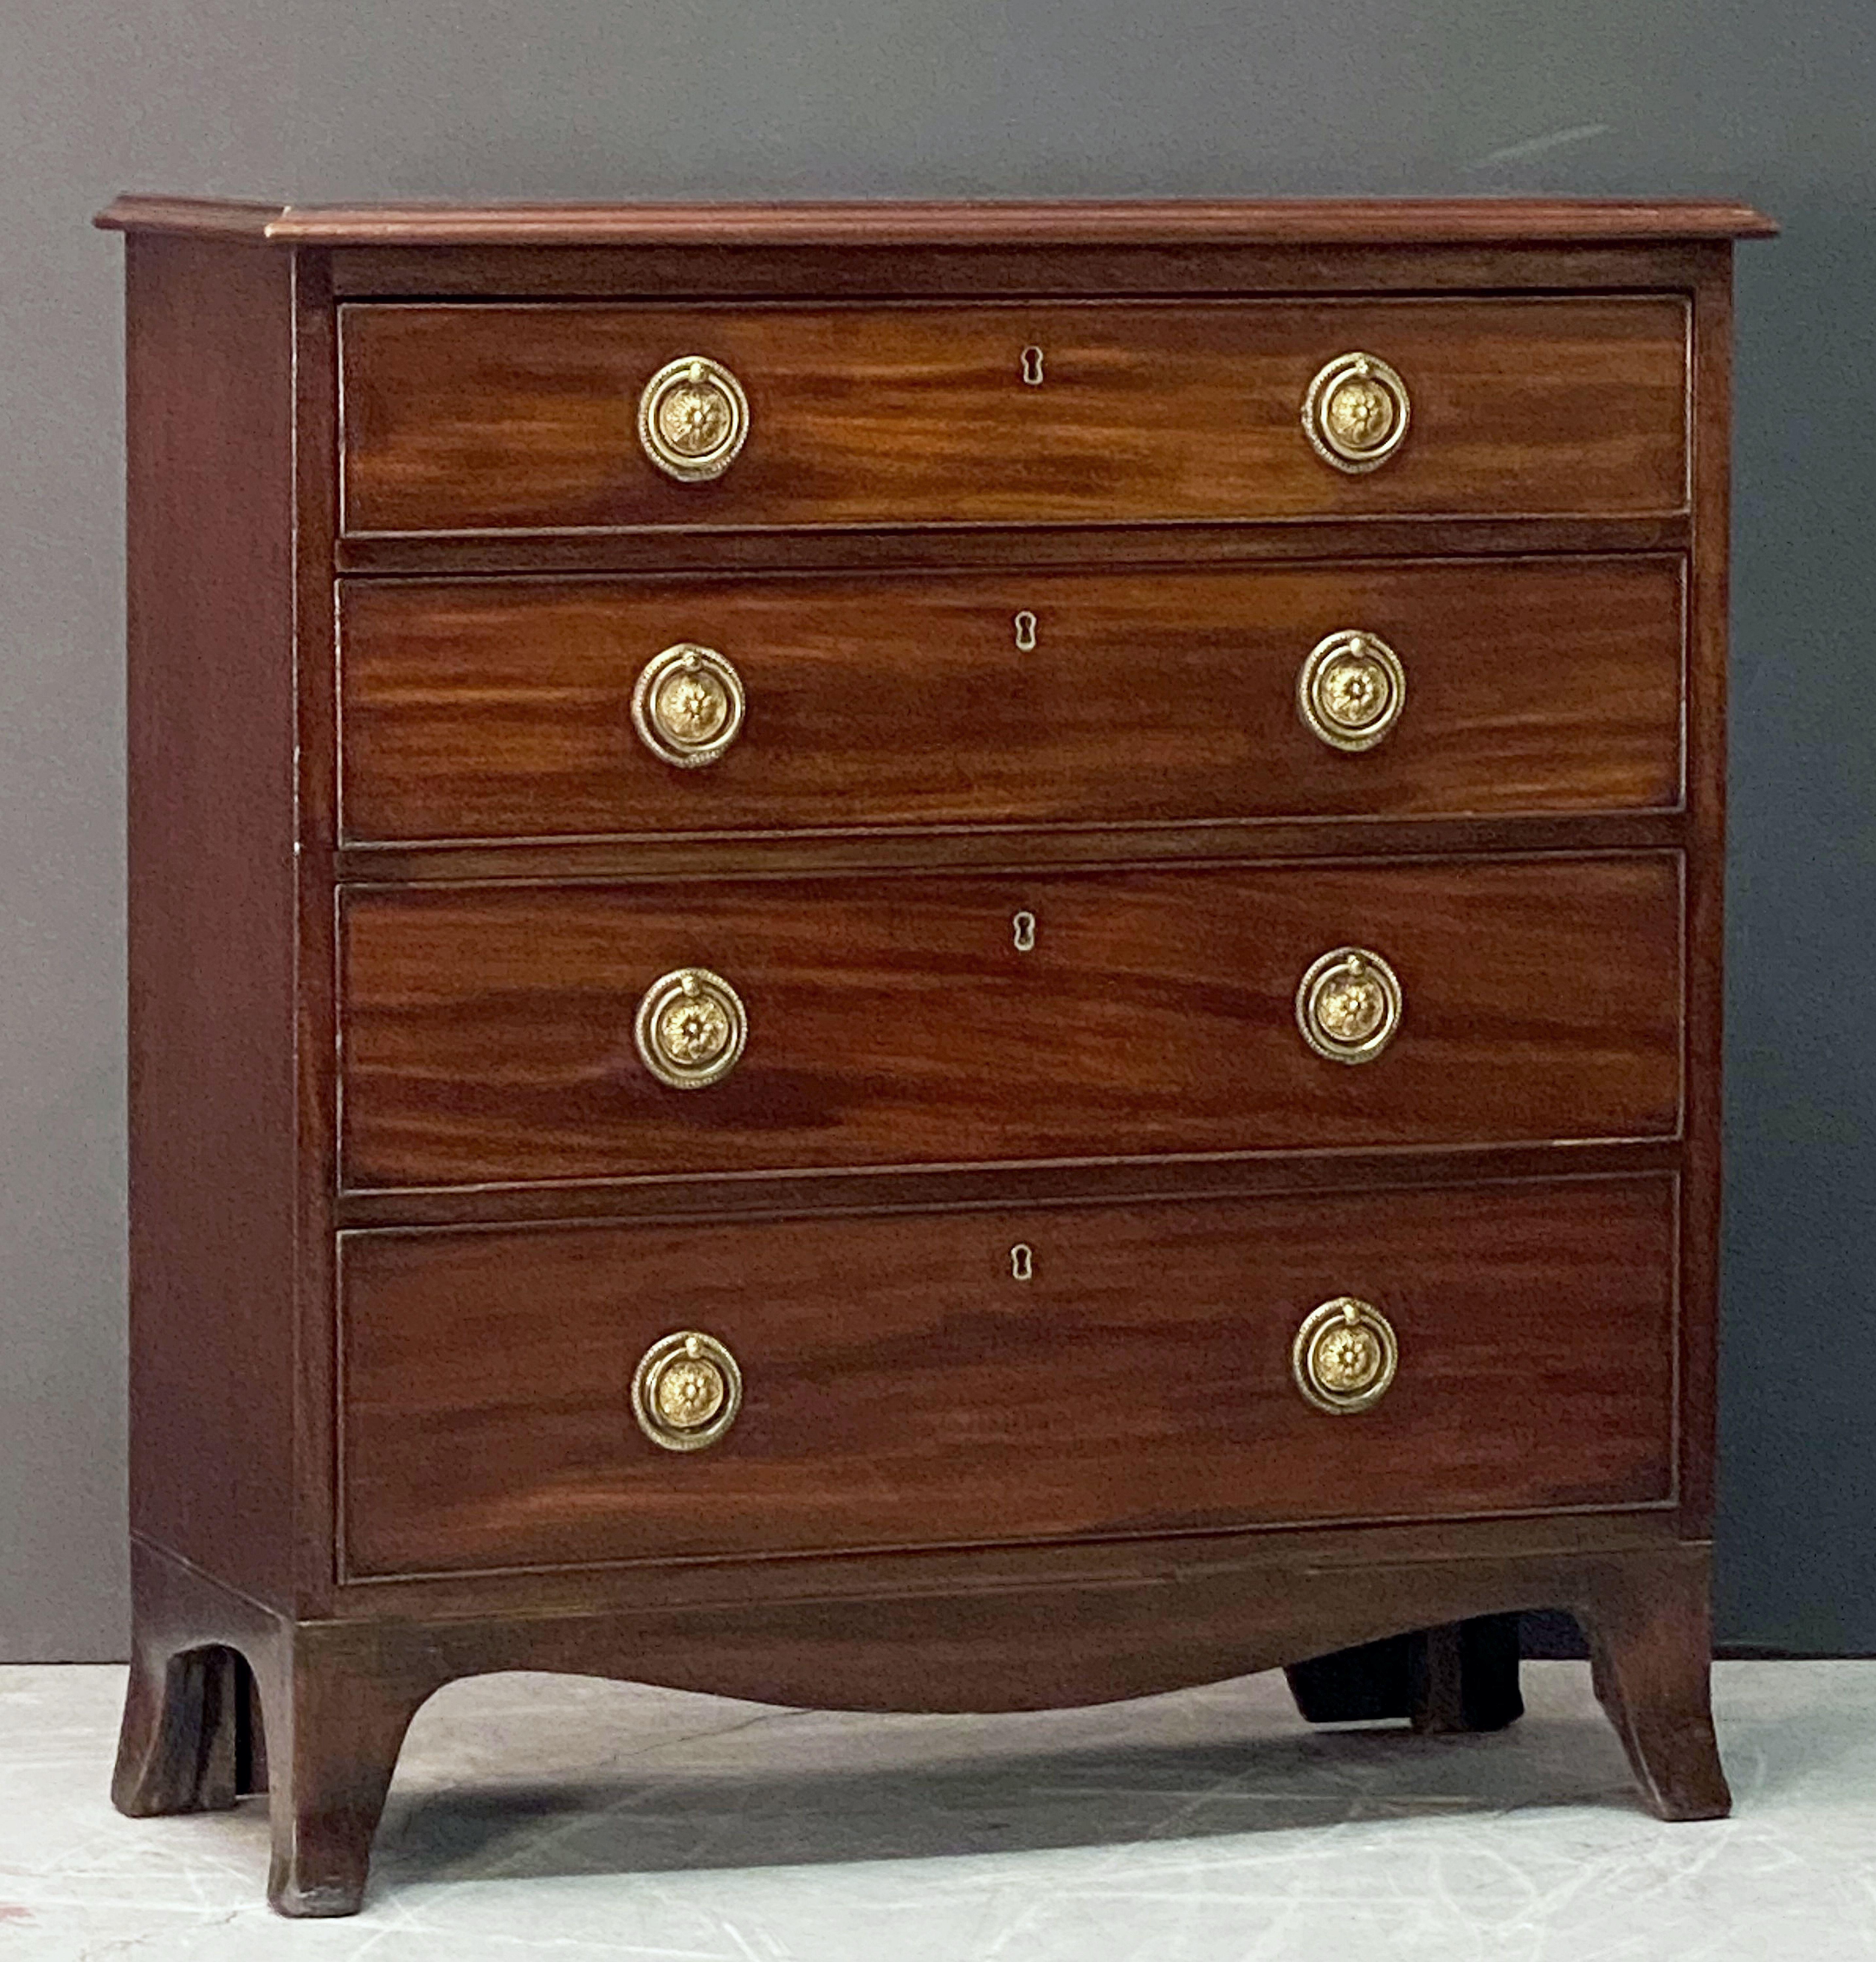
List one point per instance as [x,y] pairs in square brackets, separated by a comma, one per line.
[1356,412]
[1344,1355]
[687,705]
[1348,1004]
[686,1390]
[690,1028]
[693,418]
[1351,690]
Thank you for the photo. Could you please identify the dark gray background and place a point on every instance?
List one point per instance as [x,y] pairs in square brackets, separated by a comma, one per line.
[790,98]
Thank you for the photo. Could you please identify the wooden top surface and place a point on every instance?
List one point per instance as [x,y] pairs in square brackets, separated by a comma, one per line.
[1244,222]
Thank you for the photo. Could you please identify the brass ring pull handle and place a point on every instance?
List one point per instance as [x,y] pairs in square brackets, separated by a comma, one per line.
[1348,1004]
[690,1028]
[687,705]
[1351,690]
[693,418]
[686,1390]
[1344,1355]
[1356,412]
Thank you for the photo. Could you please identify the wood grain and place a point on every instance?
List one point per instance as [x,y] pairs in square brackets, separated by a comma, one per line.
[1020,852]
[902,1389]
[495,417]
[938,223]
[948,1490]
[838,1192]
[1706,885]
[315,824]
[213,1170]
[501,709]
[1348,540]
[673,269]
[488,1030]
[343,1692]
[1649,1647]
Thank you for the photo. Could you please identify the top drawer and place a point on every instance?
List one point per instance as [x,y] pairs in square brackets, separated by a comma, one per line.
[496,417]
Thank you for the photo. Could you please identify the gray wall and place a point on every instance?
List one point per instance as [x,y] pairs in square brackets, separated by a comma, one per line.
[576,98]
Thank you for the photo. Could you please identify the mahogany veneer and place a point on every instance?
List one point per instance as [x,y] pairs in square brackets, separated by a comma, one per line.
[482,418]
[1090,1323]
[491,709]
[893,1022]
[1137,1383]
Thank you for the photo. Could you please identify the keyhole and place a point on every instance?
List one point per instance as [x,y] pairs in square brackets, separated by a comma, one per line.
[1026,632]
[1024,926]
[1022,1263]
[1032,366]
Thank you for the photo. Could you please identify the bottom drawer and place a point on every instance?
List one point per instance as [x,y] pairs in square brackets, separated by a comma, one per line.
[903,1386]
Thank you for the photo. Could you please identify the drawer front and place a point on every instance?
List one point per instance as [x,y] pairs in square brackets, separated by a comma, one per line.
[901,1387]
[506,418]
[489,1031]
[504,708]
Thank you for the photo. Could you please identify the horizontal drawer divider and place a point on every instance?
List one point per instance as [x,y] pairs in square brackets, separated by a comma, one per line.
[992,850]
[882,547]
[858,1191]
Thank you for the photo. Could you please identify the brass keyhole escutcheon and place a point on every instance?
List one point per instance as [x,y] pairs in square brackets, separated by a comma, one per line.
[686,1390]
[1349,1004]
[1351,690]
[1032,366]
[1344,1355]
[1356,412]
[1022,1262]
[1023,931]
[693,418]
[690,1028]
[687,705]
[1025,624]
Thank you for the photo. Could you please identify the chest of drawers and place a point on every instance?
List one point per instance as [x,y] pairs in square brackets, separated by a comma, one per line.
[917,957]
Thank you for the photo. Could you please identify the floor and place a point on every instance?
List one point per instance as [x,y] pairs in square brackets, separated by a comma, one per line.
[551,1816]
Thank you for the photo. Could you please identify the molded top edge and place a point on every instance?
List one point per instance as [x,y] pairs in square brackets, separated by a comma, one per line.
[1160,222]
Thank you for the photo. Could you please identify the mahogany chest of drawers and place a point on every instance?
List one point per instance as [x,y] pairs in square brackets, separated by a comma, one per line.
[920,957]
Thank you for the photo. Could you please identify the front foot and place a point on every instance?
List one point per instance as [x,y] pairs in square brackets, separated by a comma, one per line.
[1651,1646]
[330,1760]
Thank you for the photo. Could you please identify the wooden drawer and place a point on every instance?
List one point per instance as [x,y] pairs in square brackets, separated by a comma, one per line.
[469,418]
[503,708]
[901,1388]
[488,1031]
